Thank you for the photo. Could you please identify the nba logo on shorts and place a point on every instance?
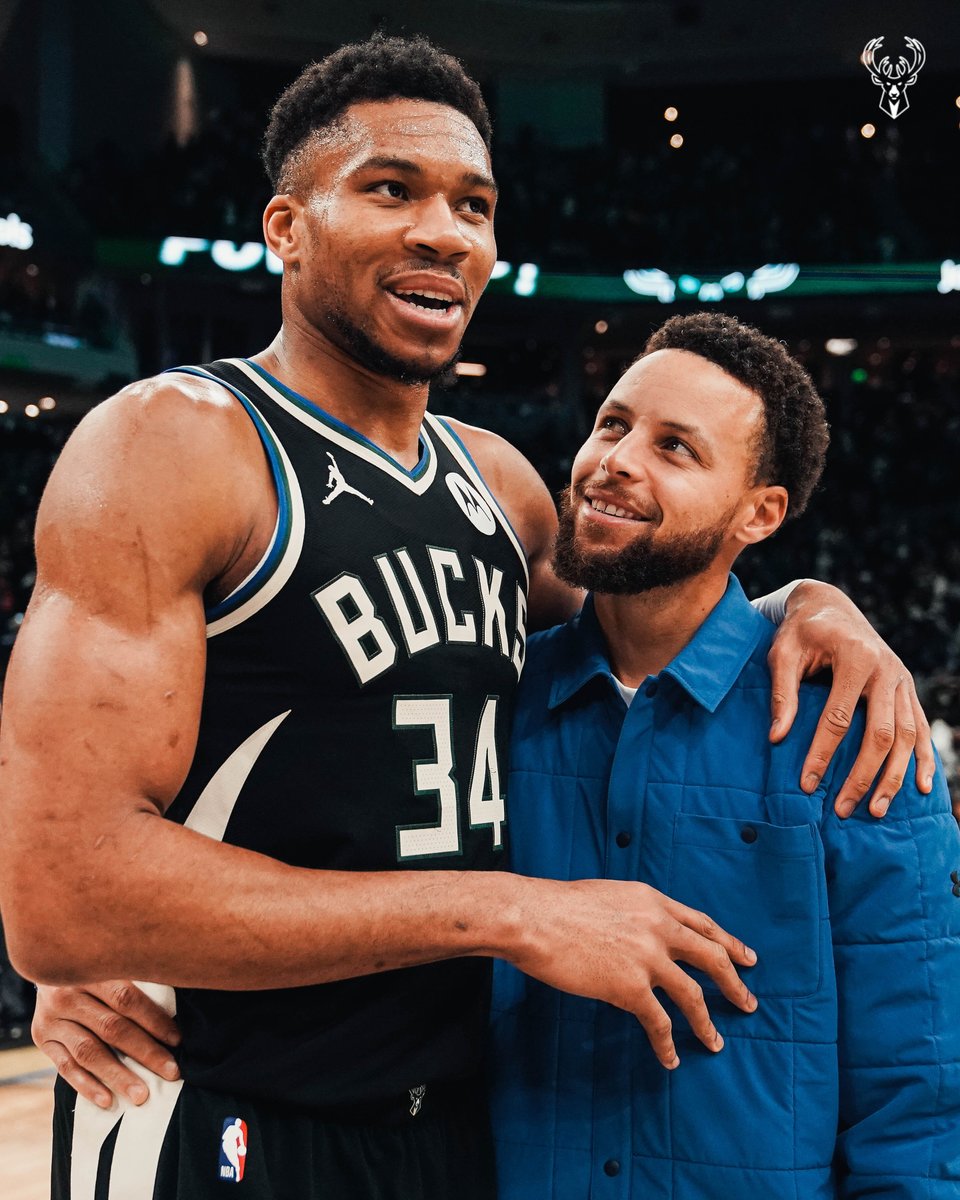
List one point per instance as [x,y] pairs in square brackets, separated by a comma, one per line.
[233,1149]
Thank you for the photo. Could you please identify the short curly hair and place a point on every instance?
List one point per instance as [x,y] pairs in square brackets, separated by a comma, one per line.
[381,68]
[793,442]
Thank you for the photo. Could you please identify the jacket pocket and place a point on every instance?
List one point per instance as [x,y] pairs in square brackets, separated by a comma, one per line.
[764,884]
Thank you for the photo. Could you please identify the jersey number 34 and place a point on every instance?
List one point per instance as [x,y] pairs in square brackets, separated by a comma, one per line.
[435,776]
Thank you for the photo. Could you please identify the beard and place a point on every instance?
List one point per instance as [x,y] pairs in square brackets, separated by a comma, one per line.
[640,566]
[355,340]
[360,346]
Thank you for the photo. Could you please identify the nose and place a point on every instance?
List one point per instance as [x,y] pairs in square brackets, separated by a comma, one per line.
[623,461]
[435,232]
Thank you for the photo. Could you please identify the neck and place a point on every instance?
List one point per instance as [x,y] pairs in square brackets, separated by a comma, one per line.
[646,631]
[384,410]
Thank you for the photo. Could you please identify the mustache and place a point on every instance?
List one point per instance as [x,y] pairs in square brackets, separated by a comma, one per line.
[413,265]
[610,493]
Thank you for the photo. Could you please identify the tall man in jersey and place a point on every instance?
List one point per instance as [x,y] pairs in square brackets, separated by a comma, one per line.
[238,716]
[640,751]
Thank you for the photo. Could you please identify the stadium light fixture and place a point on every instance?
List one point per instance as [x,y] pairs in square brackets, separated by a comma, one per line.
[840,347]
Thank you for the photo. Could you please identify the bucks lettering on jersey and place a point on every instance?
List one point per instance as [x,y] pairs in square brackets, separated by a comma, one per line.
[356,712]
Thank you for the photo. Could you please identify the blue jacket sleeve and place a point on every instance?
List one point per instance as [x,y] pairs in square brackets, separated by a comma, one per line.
[895,917]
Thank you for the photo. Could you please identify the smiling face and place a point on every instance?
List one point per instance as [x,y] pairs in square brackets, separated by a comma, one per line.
[663,488]
[387,239]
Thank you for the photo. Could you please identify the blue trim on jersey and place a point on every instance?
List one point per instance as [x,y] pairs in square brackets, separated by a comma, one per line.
[282,532]
[315,410]
[459,440]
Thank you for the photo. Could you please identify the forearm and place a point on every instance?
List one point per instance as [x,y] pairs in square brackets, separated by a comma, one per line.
[157,901]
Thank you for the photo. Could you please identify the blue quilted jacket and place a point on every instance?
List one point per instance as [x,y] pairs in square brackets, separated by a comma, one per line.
[846,1081]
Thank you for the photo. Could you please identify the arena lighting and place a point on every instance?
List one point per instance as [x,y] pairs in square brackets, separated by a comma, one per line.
[526,283]
[601,327]
[868,130]
[670,114]
[4,407]
[477,370]
[841,347]
[676,141]
[32,411]
[47,403]
[949,277]
[200,38]
[16,234]
[828,279]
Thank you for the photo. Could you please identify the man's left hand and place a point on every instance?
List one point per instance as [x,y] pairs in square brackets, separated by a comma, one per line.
[824,628]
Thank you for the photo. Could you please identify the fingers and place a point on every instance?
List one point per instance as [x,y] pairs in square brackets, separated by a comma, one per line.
[713,959]
[833,726]
[704,925]
[895,767]
[659,1029]
[687,994]
[82,1047]
[83,1083]
[89,1065]
[786,670]
[129,1001]
[926,764]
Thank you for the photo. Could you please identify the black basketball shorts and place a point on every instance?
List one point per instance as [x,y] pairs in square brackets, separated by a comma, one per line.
[187,1143]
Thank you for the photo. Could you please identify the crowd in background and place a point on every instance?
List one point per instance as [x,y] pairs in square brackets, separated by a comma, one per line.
[747,186]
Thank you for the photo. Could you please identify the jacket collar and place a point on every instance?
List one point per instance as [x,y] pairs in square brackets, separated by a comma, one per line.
[706,668]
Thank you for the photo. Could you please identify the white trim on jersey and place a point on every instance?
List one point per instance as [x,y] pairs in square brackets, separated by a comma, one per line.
[453,444]
[291,556]
[353,445]
[136,1153]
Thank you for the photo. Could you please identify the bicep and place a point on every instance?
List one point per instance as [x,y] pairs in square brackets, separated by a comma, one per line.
[102,699]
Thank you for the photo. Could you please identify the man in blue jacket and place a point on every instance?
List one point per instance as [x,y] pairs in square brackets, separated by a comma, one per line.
[640,752]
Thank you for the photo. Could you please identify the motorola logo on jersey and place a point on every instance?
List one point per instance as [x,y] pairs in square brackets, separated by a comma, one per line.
[233,1149]
[472,504]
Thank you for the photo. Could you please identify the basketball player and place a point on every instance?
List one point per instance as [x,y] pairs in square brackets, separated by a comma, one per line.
[256,717]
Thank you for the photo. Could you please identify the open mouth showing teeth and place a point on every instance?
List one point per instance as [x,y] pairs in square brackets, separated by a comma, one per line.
[612,510]
[428,300]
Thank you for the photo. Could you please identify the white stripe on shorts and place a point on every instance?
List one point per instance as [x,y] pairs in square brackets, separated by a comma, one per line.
[136,1153]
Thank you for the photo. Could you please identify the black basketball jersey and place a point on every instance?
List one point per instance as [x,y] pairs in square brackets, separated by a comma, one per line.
[356,712]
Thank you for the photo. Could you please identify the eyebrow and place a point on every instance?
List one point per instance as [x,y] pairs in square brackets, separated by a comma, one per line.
[387,162]
[691,431]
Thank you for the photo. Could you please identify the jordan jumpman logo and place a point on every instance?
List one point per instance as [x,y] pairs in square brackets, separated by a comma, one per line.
[339,485]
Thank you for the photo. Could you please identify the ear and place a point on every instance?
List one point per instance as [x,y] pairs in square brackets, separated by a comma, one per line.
[281,230]
[763,514]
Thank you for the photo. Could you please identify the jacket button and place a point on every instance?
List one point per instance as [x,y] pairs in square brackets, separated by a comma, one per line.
[748,834]
[611,1167]
[623,839]
[651,688]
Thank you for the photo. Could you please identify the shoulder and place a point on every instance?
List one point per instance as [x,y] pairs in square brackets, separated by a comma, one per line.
[514,481]
[169,461]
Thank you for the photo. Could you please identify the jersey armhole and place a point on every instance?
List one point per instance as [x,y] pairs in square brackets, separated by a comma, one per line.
[253,592]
